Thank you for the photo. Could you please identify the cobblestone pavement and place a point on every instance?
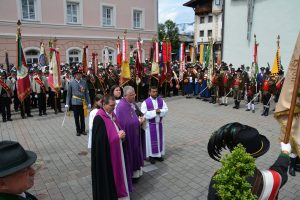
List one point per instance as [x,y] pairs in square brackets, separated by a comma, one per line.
[185,174]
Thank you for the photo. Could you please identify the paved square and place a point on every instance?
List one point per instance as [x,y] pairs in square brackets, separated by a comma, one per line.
[185,173]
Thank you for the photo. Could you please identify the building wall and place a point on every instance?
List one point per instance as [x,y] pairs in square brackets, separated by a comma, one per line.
[215,25]
[270,18]
[51,22]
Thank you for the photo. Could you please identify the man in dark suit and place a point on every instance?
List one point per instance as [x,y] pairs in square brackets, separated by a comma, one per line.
[16,172]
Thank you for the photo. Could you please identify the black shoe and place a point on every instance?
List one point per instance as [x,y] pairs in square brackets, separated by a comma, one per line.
[77,134]
[83,133]
[248,110]
[135,180]
[23,117]
[225,104]
[292,167]
[40,114]
[160,159]
[4,120]
[9,119]
[29,115]
[44,113]
[151,160]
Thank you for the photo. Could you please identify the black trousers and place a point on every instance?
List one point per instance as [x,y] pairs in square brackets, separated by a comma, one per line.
[265,98]
[56,101]
[16,101]
[79,118]
[42,102]
[5,107]
[25,106]
[65,96]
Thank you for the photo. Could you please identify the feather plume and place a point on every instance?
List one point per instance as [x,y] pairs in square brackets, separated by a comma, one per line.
[224,137]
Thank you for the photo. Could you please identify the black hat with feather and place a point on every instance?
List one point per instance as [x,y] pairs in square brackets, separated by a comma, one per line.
[232,134]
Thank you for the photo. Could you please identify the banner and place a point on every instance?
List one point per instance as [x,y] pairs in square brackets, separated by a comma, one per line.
[54,71]
[284,102]
[22,69]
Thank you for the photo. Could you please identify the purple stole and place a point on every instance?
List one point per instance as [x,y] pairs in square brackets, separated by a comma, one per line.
[115,152]
[152,125]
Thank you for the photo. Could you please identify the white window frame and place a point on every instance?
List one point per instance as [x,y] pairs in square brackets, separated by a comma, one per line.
[80,10]
[30,49]
[37,11]
[143,54]
[142,10]
[114,54]
[114,11]
[74,48]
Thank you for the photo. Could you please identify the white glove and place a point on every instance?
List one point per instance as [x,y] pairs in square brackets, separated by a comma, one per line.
[35,96]
[66,106]
[61,91]
[47,95]
[89,106]
[286,147]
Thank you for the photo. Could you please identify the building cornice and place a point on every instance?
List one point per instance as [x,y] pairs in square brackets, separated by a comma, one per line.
[75,27]
[67,37]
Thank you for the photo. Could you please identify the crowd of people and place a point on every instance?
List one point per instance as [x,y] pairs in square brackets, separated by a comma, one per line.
[121,134]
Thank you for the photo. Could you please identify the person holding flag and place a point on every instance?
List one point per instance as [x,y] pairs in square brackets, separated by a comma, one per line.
[288,108]
[40,89]
[23,84]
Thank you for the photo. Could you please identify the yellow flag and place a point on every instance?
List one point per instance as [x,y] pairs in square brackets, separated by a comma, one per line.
[276,64]
[284,103]
[201,53]
[154,68]
[125,73]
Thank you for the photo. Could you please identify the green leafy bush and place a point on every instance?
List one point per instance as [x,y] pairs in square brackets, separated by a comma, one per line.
[231,179]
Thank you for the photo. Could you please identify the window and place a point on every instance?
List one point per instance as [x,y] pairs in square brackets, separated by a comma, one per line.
[108,55]
[107,16]
[210,19]
[73,12]
[209,33]
[202,20]
[217,2]
[32,56]
[29,10]
[74,56]
[201,34]
[137,19]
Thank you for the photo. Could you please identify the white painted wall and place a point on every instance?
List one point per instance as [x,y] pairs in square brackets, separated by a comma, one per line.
[270,18]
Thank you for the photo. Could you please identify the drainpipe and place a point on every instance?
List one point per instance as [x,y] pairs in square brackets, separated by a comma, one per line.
[223,25]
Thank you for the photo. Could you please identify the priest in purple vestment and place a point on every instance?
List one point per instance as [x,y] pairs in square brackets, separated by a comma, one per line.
[109,180]
[154,109]
[131,124]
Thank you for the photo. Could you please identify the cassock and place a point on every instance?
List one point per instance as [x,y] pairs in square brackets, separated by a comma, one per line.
[109,181]
[155,142]
[129,122]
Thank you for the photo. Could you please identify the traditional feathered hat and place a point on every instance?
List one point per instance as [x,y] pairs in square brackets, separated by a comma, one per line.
[232,134]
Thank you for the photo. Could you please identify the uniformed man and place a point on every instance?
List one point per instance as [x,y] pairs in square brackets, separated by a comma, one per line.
[112,76]
[78,94]
[268,88]
[14,88]
[259,81]
[101,81]
[237,88]
[226,80]
[188,81]
[40,90]
[215,82]
[250,95]
[5,96]
[91,83]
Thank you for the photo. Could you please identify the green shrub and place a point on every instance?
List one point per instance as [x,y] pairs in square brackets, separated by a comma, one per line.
[231,179]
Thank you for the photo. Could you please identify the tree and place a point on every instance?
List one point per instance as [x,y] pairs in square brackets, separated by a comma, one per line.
[169,30]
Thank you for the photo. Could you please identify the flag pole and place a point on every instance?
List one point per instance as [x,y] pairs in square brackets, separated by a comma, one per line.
[293,105]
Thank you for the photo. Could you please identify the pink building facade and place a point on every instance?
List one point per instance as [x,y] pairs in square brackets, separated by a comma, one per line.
[75,24]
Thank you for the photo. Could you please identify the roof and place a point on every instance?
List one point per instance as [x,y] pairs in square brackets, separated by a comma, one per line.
[194,3]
